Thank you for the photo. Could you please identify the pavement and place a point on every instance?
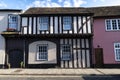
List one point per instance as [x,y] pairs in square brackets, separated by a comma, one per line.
[63,72]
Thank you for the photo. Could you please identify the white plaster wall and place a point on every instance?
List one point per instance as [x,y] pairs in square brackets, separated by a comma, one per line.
[32,56]
[3,27]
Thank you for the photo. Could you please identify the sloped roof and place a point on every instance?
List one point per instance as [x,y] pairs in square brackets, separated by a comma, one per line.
[69,10]
[105,11]
[98,11]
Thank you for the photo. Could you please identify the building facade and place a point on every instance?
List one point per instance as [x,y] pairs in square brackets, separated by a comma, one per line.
[106,34]
[51,38]
[6,21]
[60,37]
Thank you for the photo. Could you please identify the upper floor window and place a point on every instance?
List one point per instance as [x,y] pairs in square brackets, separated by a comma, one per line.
[44,23]
[13,22]
[112,24]
[66,52]
[42,52]
[67,23]
[117,51]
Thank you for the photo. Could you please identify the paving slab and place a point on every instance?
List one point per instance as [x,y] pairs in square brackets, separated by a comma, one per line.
[59,71]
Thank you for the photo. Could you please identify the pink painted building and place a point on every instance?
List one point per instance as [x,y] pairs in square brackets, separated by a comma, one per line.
[106,27]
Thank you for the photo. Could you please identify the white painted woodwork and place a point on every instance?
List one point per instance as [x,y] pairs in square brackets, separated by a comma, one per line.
[62,64]
[88,58]
[79,59]
[83,58]
[75,24]
[75,58]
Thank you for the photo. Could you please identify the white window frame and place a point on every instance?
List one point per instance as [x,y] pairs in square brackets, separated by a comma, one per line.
[12,24]
[43,23]
[43,56]
[116,48]
[111,24]
[67,23]
[66,55]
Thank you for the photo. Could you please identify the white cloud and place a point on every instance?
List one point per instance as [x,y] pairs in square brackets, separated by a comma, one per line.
[3,5]
[59,3]
[45,3]
[78,3]
[106,3]
[67,3]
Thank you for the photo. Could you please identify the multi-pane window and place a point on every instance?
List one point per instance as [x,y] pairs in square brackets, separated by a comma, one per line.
[44,23]
[42,52]
[117,51]
[66,52]
[13,22]
[67,23]
[112,24]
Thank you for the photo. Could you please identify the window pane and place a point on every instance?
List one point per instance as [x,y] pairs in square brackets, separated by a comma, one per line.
[114,24]
[42,52]
[43,23]
[66,52]
[117,51]
[119,24]
[108,24]
[13,21]
[67,23]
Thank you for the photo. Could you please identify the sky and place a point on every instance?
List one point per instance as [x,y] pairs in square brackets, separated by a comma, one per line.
[25,4]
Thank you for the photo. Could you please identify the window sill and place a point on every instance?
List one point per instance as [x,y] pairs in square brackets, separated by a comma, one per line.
[41,60]
[66,59]
[67,30]
[43,30]
[112,30]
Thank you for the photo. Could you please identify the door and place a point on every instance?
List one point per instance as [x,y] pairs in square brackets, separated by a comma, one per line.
[98,57]
[15,57]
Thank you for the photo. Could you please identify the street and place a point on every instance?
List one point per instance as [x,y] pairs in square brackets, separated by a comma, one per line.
[61,78]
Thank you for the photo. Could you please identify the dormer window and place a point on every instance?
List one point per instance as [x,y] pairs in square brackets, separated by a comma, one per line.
[67,23]
[13,22]
[43,23]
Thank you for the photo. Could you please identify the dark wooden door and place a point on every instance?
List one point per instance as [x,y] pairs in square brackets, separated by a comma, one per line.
[15,58]
[98,57]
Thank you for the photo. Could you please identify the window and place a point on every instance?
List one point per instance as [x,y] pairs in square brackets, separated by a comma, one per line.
[112,24]
[67,23]
[42,52]
[117,51]
[13,22]
[66,52]
[43,23]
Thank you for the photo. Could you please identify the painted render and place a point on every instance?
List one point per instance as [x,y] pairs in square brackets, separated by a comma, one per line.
[3,27]
[51,53]
[105,39]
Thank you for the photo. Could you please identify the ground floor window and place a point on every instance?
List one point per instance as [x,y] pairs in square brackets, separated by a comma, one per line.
[42,52]
[117,51]
[66,52]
